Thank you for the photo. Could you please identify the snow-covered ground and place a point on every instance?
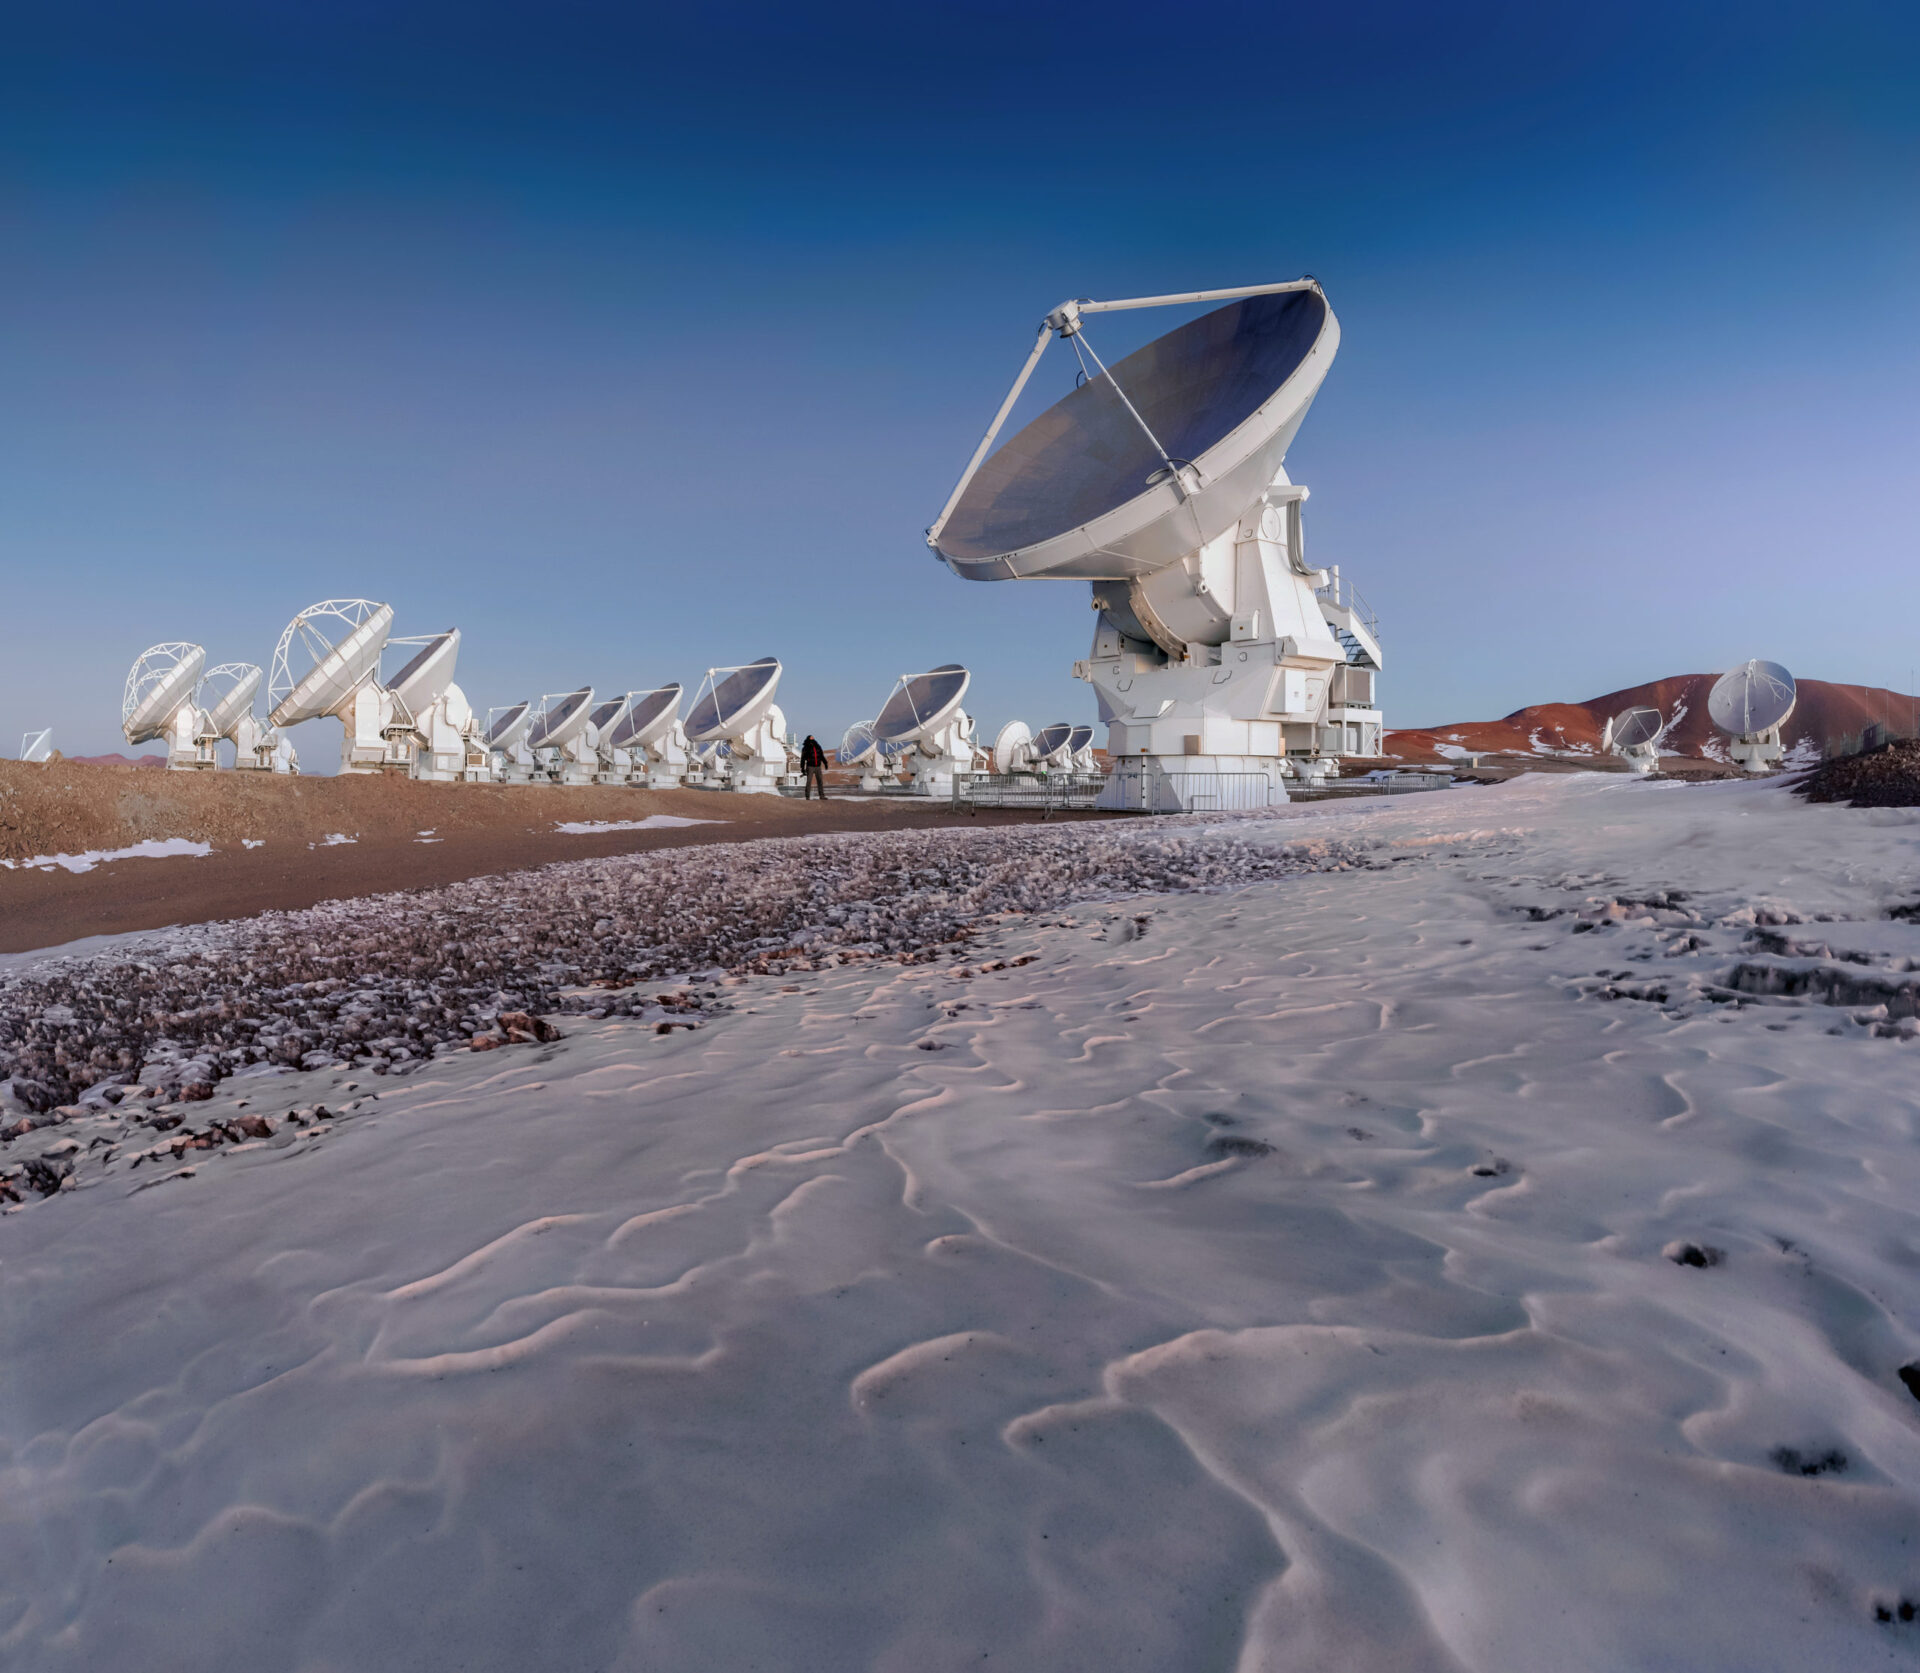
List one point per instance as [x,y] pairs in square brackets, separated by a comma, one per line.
[1495,1256]
[652,822]
[152,849]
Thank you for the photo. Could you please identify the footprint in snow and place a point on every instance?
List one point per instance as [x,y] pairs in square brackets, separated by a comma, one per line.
[1231,1144]
[1790,1460]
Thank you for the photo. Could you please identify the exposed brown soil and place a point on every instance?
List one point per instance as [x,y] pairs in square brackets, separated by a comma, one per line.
[479,830]
[1885,777]
[1833,719]
[69,807]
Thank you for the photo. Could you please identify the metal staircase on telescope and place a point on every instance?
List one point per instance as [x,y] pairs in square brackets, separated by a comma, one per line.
[1352,619]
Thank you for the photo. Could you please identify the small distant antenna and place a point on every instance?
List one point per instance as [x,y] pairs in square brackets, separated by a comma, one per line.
[1053,746]
[37,746]
[1013,748]
[860,748]
[1080,748]
[1634,736]
[922,719]
[1751,703]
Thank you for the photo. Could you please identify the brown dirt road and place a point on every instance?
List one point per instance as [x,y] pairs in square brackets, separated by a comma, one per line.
[481,830]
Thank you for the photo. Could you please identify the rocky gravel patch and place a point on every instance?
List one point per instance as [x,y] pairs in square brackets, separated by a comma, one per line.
[381,984]
[1885,777]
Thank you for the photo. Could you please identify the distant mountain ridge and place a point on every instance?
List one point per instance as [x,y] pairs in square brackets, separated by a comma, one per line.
[1827,720]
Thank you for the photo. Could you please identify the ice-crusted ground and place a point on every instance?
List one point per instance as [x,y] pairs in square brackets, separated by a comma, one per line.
[1498,1254]
[152,849]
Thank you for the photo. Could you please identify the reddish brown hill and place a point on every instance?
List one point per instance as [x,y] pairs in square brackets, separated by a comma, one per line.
[119,760]
[1827,720]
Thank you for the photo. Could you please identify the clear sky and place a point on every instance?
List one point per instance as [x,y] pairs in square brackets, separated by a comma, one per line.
[634,339]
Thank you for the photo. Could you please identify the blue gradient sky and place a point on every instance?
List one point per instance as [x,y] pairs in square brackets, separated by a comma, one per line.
[632,342]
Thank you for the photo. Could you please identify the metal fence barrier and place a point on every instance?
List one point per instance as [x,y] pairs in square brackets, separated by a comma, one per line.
[1035,792]
[1155,789]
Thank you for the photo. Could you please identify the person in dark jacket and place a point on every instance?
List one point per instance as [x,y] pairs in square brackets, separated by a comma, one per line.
[813,768]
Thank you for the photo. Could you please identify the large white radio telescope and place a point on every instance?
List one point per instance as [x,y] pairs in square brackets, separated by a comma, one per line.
[1634,736]
[922,717]
[1160,482]
[505,743]
[562,736]
[225,699]
[327,664]
[651,734]
[446,742]
[735,706]
[159,701]
[1750,704]
[613,765]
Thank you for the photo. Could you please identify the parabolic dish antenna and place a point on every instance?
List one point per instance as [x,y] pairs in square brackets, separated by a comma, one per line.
[37,746]
[164,678]
[921,703]
[510,725]
[733,700]
[1752,698]
[858,746]
[425,678]
[1050,743]
[341,639]
[562,719]
[1079,738]
[605,714]
[1103,487]
[649,715]
[226,696]
[1013,748]
[1632,729]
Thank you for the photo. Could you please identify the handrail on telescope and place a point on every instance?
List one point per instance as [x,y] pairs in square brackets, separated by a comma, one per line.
[1064,321]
